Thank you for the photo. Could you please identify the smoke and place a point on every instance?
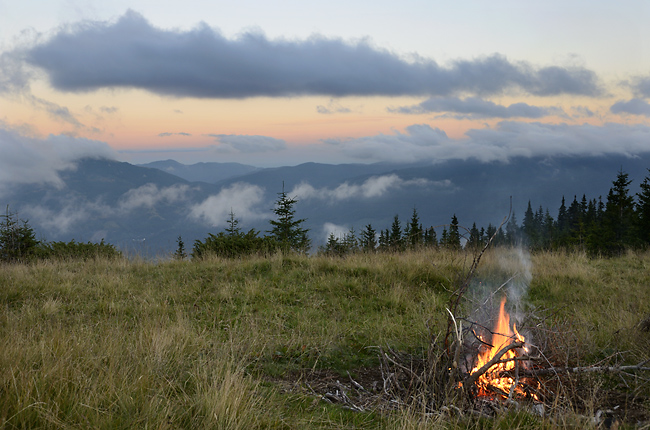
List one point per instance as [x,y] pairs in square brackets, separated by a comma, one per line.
[517,261]
[510,276]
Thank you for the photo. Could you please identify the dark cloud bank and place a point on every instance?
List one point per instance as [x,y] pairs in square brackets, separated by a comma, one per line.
[203,63]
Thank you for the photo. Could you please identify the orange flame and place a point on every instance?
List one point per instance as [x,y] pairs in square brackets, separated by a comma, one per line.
[492,380]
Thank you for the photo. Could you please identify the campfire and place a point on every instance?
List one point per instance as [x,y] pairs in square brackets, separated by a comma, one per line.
[496,372]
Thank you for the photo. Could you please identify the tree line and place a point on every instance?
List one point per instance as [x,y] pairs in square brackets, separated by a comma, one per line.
[620,222]
[18,244]
[595,226]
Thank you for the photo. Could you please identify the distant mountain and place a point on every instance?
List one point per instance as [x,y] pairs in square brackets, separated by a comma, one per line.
[202,172]
[144,209]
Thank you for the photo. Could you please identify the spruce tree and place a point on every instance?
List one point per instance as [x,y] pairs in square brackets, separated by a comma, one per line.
[643,211]
[287,230]
[369,239]
[619,214]
[233,225]
[17,239]
[395,240]
[180,253]
[453,238]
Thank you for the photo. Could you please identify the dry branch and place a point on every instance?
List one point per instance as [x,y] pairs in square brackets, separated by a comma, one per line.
[472,378]
[587,369]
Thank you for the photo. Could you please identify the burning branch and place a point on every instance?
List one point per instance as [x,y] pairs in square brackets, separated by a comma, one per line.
[473,377]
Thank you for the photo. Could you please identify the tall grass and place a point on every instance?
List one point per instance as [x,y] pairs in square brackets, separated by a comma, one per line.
[220,343]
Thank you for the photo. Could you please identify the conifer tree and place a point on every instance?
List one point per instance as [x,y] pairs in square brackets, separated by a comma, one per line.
[17,239]
[414,233]
[453,238]
[395,240]
[619,214]
[287,230]
[233,225]
[643,210]
[180,253]
[368,239]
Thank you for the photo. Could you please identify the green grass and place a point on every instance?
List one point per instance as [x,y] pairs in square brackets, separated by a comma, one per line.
[222,343]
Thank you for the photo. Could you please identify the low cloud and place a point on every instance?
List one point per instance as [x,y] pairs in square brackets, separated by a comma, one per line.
[67,219]
[131,53]
[339,231]
[477,108]
[375,186]
[634,107]
[241,198]
[149,195]
[31,160]
[507,140]
[167,134]
[248,144]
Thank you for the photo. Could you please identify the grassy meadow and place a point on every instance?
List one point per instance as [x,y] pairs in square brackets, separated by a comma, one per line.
[238,344]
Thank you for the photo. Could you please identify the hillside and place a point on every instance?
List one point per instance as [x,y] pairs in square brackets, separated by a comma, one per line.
[144,210]
[257,343]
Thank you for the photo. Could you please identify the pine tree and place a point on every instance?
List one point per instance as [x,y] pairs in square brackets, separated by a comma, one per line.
[430,238]
[17,239]
[180,253]
[643,210]
[287,230]
[619,214]
[368,239]
[395,240]
[233,225]
[414,233]
[453,238]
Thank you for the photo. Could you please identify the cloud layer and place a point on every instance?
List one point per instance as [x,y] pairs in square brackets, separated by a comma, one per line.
[376,186]
[240,198]
[477,108]
[32,160]
[248,144]
[202,63]
[507,140]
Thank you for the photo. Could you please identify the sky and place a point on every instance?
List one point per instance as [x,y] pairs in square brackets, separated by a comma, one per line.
[286,82]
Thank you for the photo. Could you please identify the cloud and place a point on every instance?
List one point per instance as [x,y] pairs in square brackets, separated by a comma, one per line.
[109,109]
[582,111]
[339,231]
[14,78]
[332,107]
[375,186]
[167,134]
[32,160]
[148,195]
[507,140]
[55,111]
[248,144]
[240,198]
[634,107]
[474,107]
[641,86]
[202,63]
[72,212]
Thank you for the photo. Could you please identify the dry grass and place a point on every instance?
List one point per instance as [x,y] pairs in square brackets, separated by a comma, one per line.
[119,344]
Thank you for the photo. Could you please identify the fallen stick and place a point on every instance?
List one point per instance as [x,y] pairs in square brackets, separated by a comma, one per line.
[472,378]
[604,369]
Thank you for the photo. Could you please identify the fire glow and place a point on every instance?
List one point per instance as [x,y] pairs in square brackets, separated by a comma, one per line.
[497,380]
